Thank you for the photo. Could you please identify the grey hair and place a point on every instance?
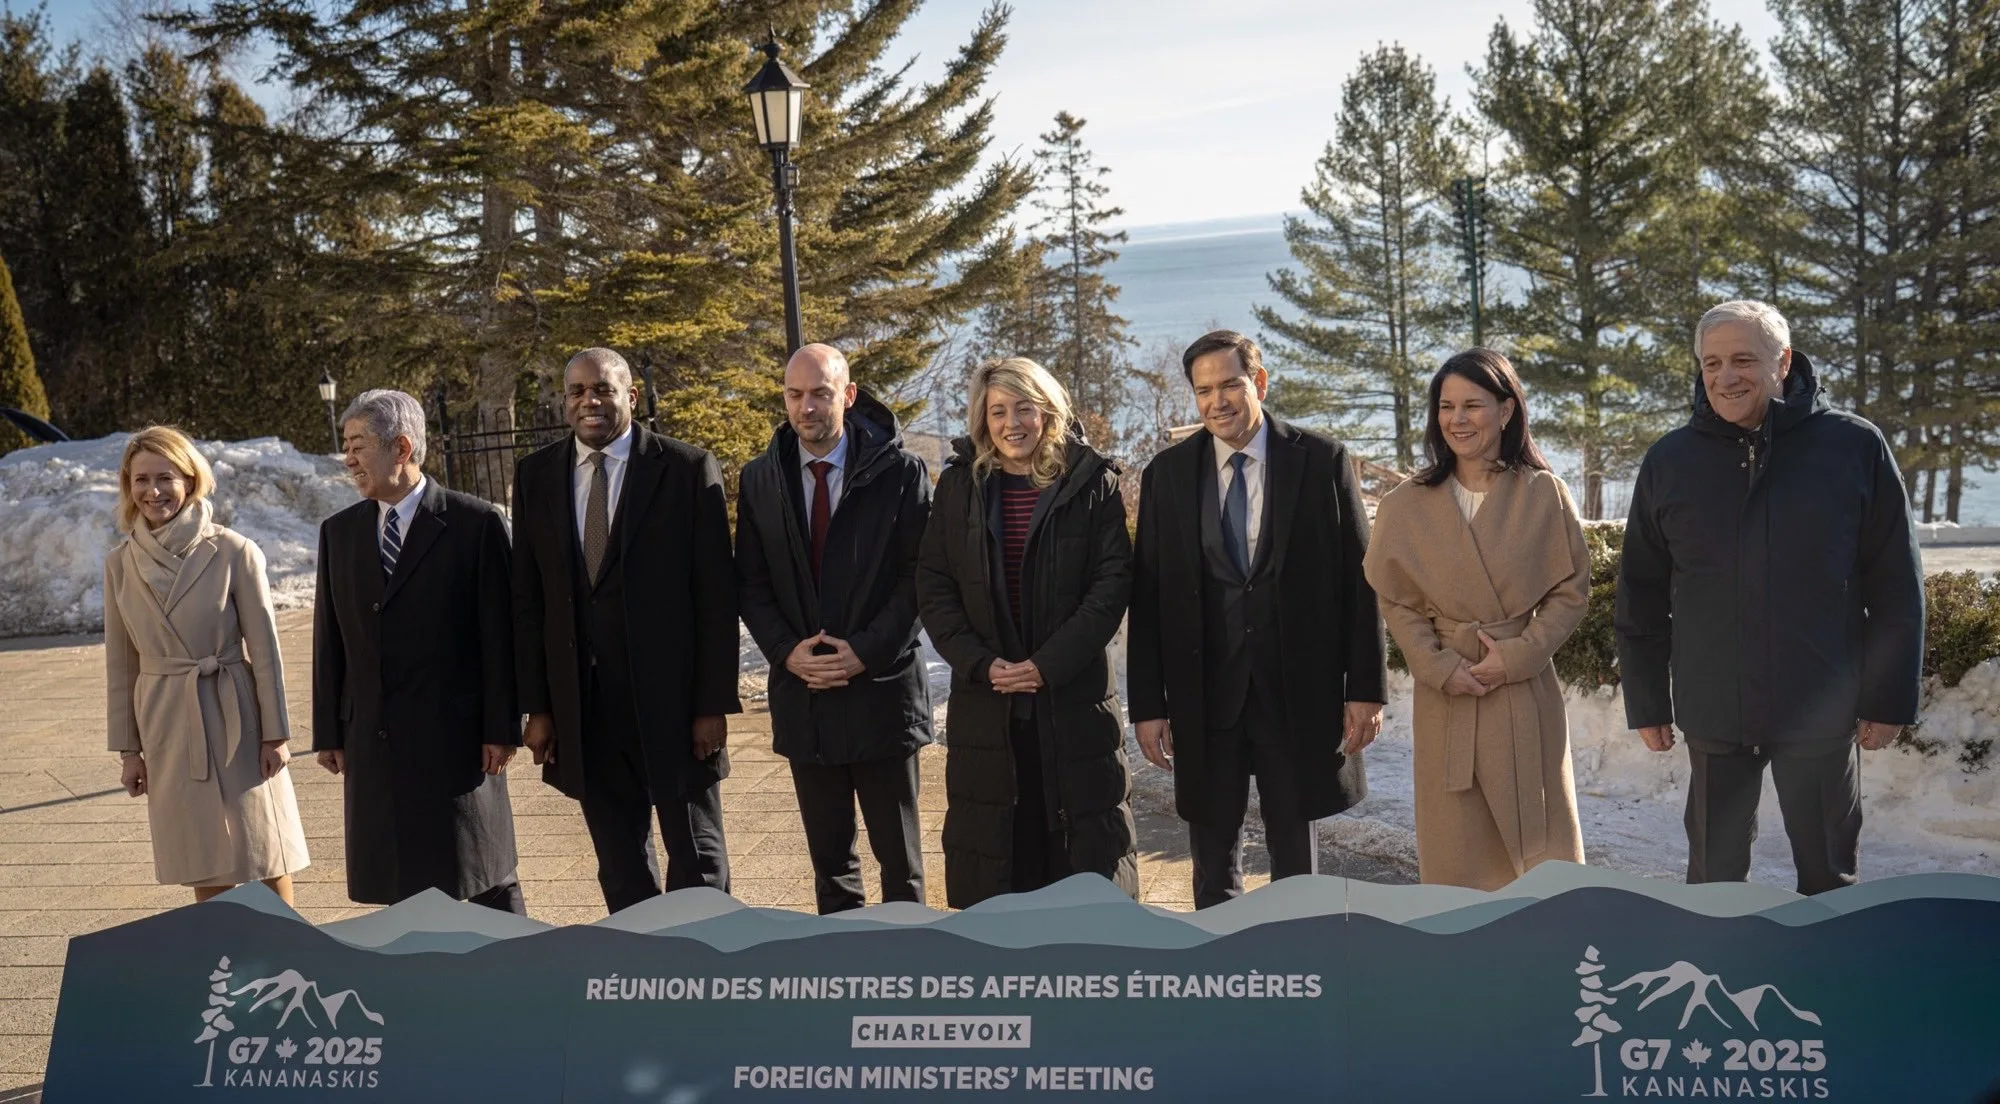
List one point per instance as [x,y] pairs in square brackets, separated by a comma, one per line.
[1777,333]
[389,415]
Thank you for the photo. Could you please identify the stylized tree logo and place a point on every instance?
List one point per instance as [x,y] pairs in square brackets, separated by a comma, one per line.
[1596,1025]
[215,1022]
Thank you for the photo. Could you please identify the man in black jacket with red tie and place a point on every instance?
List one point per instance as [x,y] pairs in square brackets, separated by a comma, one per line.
[828,524]
[625,633]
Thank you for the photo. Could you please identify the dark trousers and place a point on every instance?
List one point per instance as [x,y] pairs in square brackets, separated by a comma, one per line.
[1252,746]
[505,897]
[1819,795]
[619,808]
[1041,853]
[887,792]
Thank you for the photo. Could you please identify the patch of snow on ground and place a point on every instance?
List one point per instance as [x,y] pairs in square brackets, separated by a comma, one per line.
[57,521]
[1921,812]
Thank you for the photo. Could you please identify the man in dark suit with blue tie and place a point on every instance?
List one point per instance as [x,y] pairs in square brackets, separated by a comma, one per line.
[625,633]
[1254,643]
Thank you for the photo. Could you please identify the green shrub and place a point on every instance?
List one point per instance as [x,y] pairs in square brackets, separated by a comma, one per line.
[1962,621]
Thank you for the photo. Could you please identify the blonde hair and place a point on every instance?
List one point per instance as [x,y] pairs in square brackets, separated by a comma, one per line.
[1031,381]
[173,446]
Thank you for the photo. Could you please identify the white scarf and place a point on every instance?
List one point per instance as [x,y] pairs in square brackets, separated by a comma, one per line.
[162,551]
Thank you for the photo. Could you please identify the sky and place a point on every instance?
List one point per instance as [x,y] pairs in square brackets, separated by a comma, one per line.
[1201,109]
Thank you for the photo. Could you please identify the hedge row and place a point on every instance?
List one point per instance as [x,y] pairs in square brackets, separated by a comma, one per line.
[1962,621]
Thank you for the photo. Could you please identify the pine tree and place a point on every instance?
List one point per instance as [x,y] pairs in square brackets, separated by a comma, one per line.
[1090,353]
[1613,111]
[1887,119]
[103,366]
[1019,316]
[534,178]
[33,78]
[1375,286]
[1848,122]
[1961,412]
[20,386]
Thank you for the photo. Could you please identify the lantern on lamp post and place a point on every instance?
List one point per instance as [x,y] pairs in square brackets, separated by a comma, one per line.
[326,393]
[777,96]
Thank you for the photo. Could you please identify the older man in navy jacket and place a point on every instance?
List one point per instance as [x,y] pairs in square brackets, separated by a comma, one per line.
[1771,601]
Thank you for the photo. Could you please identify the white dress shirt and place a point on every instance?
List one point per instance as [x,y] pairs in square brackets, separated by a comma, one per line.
[1253,475]
[835,478]
[617,457]
[405,511]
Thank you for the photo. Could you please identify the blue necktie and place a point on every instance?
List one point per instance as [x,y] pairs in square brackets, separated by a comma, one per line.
[1236,515]
[392,544]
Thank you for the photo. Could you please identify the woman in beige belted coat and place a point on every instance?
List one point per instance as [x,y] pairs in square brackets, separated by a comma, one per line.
[1482,572]
[195,686]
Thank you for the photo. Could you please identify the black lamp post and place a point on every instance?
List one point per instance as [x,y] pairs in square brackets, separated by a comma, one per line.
[326,390]
[776,97]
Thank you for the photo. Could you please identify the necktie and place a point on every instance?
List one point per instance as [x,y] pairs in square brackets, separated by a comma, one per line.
[596,518]
[822,511]
[1236,515]
[392,544]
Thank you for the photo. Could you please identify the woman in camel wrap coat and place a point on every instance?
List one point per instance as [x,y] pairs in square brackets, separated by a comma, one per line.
[1482,571]
[195,686]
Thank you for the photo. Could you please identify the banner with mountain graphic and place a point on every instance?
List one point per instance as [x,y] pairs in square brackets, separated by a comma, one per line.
[1573,983]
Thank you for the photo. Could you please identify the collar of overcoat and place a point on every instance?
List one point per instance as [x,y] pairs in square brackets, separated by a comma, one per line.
[197,562]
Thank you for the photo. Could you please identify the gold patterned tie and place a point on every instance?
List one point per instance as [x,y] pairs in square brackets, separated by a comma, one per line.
[596,518]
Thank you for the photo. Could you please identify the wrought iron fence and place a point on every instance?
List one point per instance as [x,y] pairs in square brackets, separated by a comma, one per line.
[477,448]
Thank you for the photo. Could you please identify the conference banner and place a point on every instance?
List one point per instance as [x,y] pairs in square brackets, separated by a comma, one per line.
[1573,983]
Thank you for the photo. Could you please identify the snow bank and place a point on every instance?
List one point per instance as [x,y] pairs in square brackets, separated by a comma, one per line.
[57,521]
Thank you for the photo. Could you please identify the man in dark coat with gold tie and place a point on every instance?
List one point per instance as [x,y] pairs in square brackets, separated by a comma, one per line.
[626,635]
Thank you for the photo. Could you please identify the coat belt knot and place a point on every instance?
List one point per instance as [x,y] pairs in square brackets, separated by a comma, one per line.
[1517,720]
[229,659]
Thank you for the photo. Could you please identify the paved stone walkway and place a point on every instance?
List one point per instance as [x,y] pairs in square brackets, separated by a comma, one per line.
[75,855]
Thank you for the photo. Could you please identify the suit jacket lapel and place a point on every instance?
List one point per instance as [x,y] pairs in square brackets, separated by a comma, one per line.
[645,464]
[1199,463]
[1208,517]
[197,562]
[564,470]
[1286,454]
[366,548]
[424,531]
[798,526]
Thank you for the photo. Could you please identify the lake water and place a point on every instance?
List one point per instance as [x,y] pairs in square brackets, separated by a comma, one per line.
[1178,282]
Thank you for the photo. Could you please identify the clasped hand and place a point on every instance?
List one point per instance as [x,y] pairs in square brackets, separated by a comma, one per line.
[1014,678]
[829,671]
[1478,679]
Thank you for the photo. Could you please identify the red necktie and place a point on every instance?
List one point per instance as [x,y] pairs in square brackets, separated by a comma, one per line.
[822,512]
